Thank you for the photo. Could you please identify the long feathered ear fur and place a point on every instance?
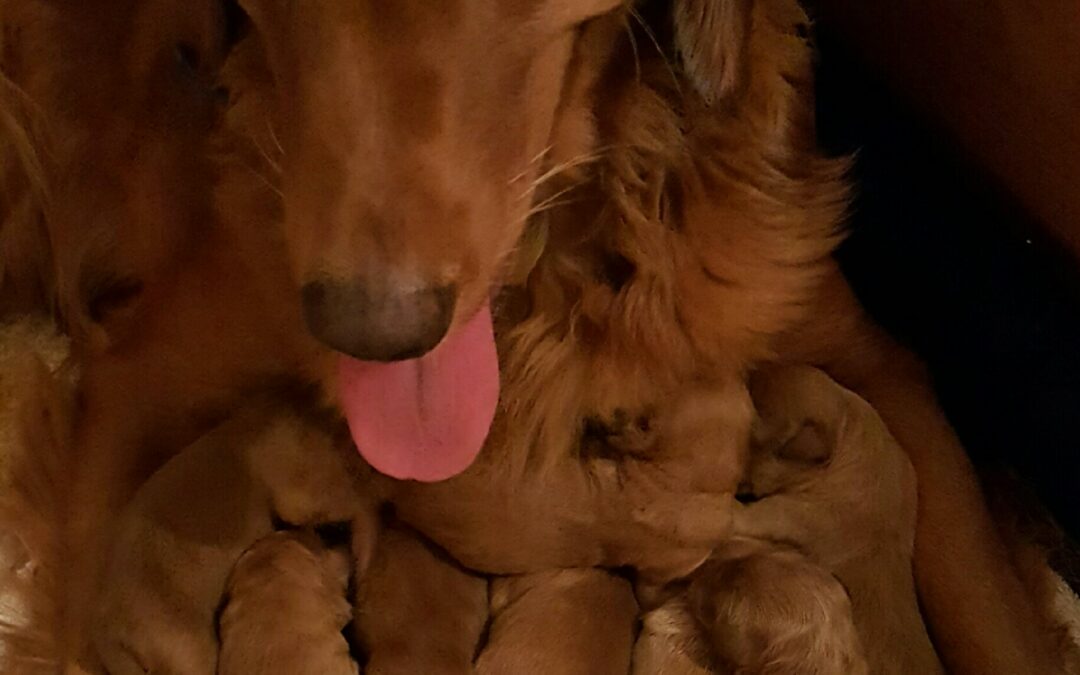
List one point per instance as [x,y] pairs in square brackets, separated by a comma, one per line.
[711,38]
[35,426]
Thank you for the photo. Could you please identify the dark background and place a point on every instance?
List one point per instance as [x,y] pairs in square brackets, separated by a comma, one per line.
[945,259]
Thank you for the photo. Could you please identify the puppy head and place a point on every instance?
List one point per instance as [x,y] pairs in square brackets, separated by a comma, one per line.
[801,419]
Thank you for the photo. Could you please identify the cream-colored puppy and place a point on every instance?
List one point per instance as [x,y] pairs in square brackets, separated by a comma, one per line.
[831,481]
[755,607]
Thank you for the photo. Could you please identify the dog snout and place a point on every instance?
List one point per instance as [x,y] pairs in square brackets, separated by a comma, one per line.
[378,321]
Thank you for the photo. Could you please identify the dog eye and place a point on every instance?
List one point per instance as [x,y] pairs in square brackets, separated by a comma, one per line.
[187,57]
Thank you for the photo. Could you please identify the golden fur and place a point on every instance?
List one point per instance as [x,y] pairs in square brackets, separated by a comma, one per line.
[577,622]
[286,609]
[831,481]
[415,611]
[694,244]
[186,527]
[769,609]
[37,387]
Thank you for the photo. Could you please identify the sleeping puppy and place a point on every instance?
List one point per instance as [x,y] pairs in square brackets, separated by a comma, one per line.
[671,643]
[767,608]
[571,622]
[755,607]
[187,526]
[417,611]
[833,482]
[286,609]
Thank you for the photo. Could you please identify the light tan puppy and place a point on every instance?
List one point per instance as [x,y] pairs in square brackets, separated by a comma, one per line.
[768,609]
[833,482]
[188,525]
[286,609]
[671,642]
[755,607]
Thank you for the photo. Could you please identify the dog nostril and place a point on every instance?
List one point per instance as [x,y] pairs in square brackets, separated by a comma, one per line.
[378,322]
[313,294]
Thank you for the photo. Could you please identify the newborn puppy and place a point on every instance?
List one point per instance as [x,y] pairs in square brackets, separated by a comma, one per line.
[699,440]
[754,607]
[671,642]
[570,622]
[286,609]
[831,481]
[768,609]
[187,526]
[417,611]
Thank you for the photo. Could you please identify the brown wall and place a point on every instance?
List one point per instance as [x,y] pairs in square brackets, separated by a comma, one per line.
[1002,75]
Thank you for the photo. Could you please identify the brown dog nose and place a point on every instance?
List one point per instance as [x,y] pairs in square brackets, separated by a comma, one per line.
[380,322]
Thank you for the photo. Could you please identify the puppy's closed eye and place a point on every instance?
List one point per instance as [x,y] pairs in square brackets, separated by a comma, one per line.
[810,444]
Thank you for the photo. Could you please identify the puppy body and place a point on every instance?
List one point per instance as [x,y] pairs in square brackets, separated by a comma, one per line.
[671,643]
[286,609]
[187,526]
[417,611]
[573,622]
[755,607]
[834,483]
[768,609]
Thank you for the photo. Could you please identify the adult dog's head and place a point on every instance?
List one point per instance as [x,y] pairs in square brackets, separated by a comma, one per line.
[416,133]
[121,96]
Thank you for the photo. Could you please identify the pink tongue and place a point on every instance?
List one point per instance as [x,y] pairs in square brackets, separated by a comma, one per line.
[425,419]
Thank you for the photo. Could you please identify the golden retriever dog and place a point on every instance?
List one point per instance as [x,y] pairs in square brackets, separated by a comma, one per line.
[181,535]
[286,609]
[167,280]
[667,148]
[831,481]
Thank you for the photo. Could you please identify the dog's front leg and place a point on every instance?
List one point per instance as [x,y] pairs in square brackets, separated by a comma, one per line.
[571,514]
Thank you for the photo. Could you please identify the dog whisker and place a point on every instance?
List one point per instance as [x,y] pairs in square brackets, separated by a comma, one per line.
[266,181]
[274,165]
[528,166]
[558,169]
[550,202]
[274,138]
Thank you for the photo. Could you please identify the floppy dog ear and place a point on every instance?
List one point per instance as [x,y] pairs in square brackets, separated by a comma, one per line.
[711,37]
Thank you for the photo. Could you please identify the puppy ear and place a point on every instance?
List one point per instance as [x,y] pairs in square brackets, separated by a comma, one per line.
[711,37]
